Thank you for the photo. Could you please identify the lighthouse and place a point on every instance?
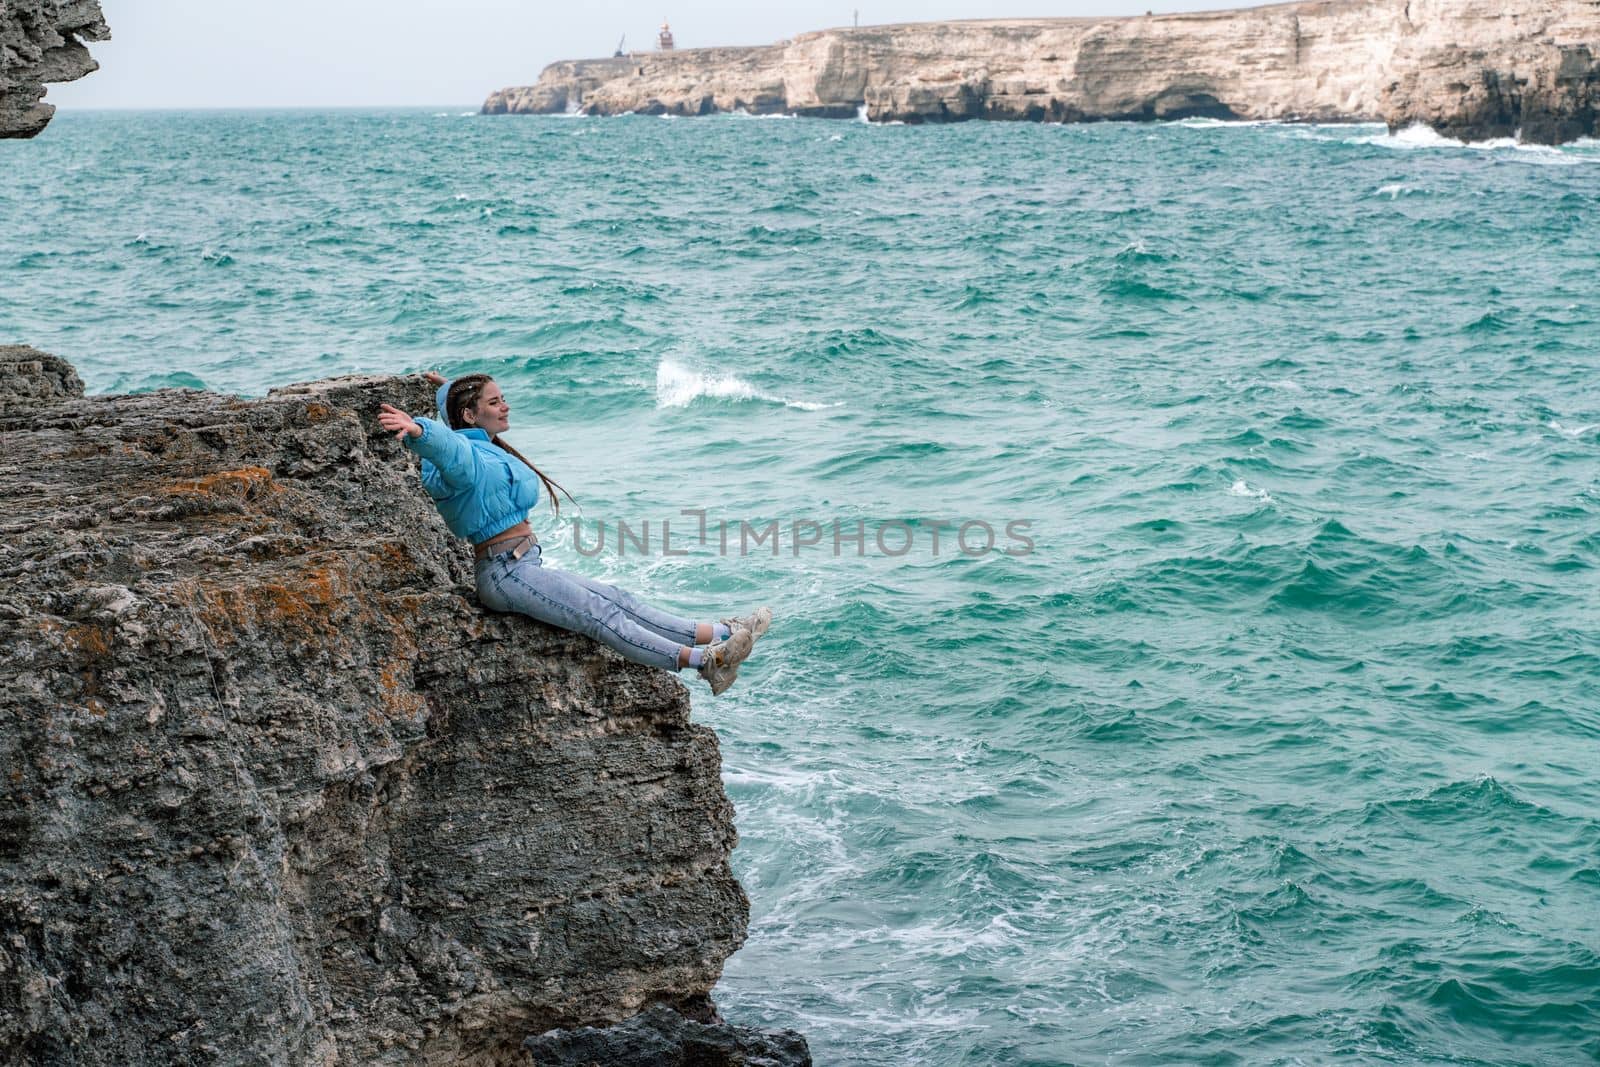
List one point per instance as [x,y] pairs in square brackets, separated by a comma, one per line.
[664,41]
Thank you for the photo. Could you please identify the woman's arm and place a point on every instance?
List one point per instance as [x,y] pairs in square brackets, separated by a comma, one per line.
[398,422]
[434,442]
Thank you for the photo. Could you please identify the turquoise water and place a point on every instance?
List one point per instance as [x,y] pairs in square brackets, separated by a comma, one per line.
[1280,746]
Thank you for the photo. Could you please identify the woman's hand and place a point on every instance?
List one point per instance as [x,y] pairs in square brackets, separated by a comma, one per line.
[397,422]
[435,379]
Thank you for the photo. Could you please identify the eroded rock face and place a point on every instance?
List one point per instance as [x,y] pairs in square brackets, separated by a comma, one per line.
[274,789]
[42,41]
[1475,70]
[1470,68]
[661,1037]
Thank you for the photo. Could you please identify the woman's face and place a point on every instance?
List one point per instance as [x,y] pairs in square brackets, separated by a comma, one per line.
[491,414]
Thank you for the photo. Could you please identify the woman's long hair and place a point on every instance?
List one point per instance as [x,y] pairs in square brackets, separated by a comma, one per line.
[463,394]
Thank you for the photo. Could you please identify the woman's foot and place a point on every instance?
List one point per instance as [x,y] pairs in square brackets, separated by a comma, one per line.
[719,664]
[756,622]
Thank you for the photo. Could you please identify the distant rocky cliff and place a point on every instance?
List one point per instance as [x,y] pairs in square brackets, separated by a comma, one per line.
[42,41]
[1470,68]
[275,790]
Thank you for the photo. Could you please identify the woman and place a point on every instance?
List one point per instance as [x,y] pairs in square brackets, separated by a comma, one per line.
[483,487]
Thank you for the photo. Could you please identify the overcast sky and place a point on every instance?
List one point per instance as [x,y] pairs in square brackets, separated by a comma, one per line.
[306,53]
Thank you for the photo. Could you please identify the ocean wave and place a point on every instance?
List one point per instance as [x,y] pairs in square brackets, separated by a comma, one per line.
[1422,137]
[679,386]
[1202,123]
[1139,251]
[1135,289]
[1242,488]
[1395,190]
[1488,322]
[1572,433]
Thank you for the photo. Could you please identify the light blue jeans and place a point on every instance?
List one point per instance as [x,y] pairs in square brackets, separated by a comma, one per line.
[616,619]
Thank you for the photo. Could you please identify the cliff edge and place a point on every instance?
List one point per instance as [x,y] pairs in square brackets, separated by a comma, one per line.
[1471,69]
[42,41]
[276,790]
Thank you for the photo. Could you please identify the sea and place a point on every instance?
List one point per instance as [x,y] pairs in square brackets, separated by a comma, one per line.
[1183,539]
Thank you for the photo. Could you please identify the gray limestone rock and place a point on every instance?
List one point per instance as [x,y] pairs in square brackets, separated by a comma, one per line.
[661,1037]
[42,41]
[275,790]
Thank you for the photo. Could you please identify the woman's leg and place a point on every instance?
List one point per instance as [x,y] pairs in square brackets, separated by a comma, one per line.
[682,630]
[549,595]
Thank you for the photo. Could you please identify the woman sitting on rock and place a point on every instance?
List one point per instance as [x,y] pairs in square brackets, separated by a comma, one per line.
[484,488]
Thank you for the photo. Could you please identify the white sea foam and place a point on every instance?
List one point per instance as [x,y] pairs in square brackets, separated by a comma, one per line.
[1241,488]
[861,116]
[793,781]
[1199,123]
[678,386]
[1395,191]
[911,1018]
[1418,137]
[466,114]
[461,196]
[1331,131]
[1288,385]
[1572,433]
[943,939]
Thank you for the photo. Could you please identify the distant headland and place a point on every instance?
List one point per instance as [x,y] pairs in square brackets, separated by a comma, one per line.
[1470,69]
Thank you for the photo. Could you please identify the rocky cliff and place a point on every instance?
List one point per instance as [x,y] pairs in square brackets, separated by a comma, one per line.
[275,790]
[1470,68]
[42,41]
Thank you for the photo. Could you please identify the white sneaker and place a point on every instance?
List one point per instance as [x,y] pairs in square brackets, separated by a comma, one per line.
[756,622]
[719,664]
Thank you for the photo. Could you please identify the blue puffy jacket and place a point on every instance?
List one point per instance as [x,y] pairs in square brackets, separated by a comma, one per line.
[479,487]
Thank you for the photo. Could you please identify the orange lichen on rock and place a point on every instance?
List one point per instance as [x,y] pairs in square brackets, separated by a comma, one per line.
[88,641]
[395,562]
[395,689]
[314,602]
[246,483]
